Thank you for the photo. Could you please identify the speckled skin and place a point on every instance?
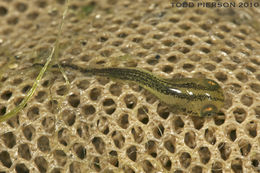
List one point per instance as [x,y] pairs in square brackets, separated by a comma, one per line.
[199,97]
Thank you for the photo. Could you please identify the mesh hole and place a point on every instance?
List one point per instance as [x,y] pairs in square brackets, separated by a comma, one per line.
[33,15]
[245,147]
[188,67]
[147,166]
[149,97]
[190,139]
[142,115]
[205,26]
[235,88]
[43,144]
[246,100]
[163,111]
[170,145]
[88,110]
[117,43]
[41,4]
[255,61]
[210,136]
[2,110]
[6,95]
[209,66]
[251,128]
[83,84]
[6,159]
[240,114]
[41,164]
[53,106]
[219,120]
[194,19]
[205,50]
[62,90]
[152,61]
[95,94]
[123,121]
[115,89]
[224,150]
[18,101]
[166,162]
[242,77]
[216,167]
[230,44]
[198,122]
[103,125]
[221,76]
[151,147]
[99,144]
[3,11]
[258,77]
[24,151]
[168,43]
[231,67]
[196,169]
[48,124]
[183,49]
[158,37]
[131,153]
[109,105]
[236,165]
[29,132]
[96,164]
[158,131]
[255,163]
[178,124]
[138,134]
[118,139]
[26,88]
[21,7]
[137,39]
[68,117]
[128,169]
[172,58]
[204,154]
[74,100]
[20,167]
[80,151]
[167,69]
[216,59]
[189,42]
[9,139]
[185,159]
[56,170]
[17,81]
[130,101]
[60,157]
[63,136]
[113,158]
[250,68]
[257,111]
[232,134]
[33,113]
[12,20]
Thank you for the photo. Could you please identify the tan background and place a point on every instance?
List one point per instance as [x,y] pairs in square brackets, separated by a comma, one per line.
[96,124]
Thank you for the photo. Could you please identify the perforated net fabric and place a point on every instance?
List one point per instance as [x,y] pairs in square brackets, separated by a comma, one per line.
[96,124]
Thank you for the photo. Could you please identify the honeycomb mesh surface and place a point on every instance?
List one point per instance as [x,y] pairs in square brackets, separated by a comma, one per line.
[96,124]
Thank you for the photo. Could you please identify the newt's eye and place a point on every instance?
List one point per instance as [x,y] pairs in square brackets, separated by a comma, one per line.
[208,110]
[211,84]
